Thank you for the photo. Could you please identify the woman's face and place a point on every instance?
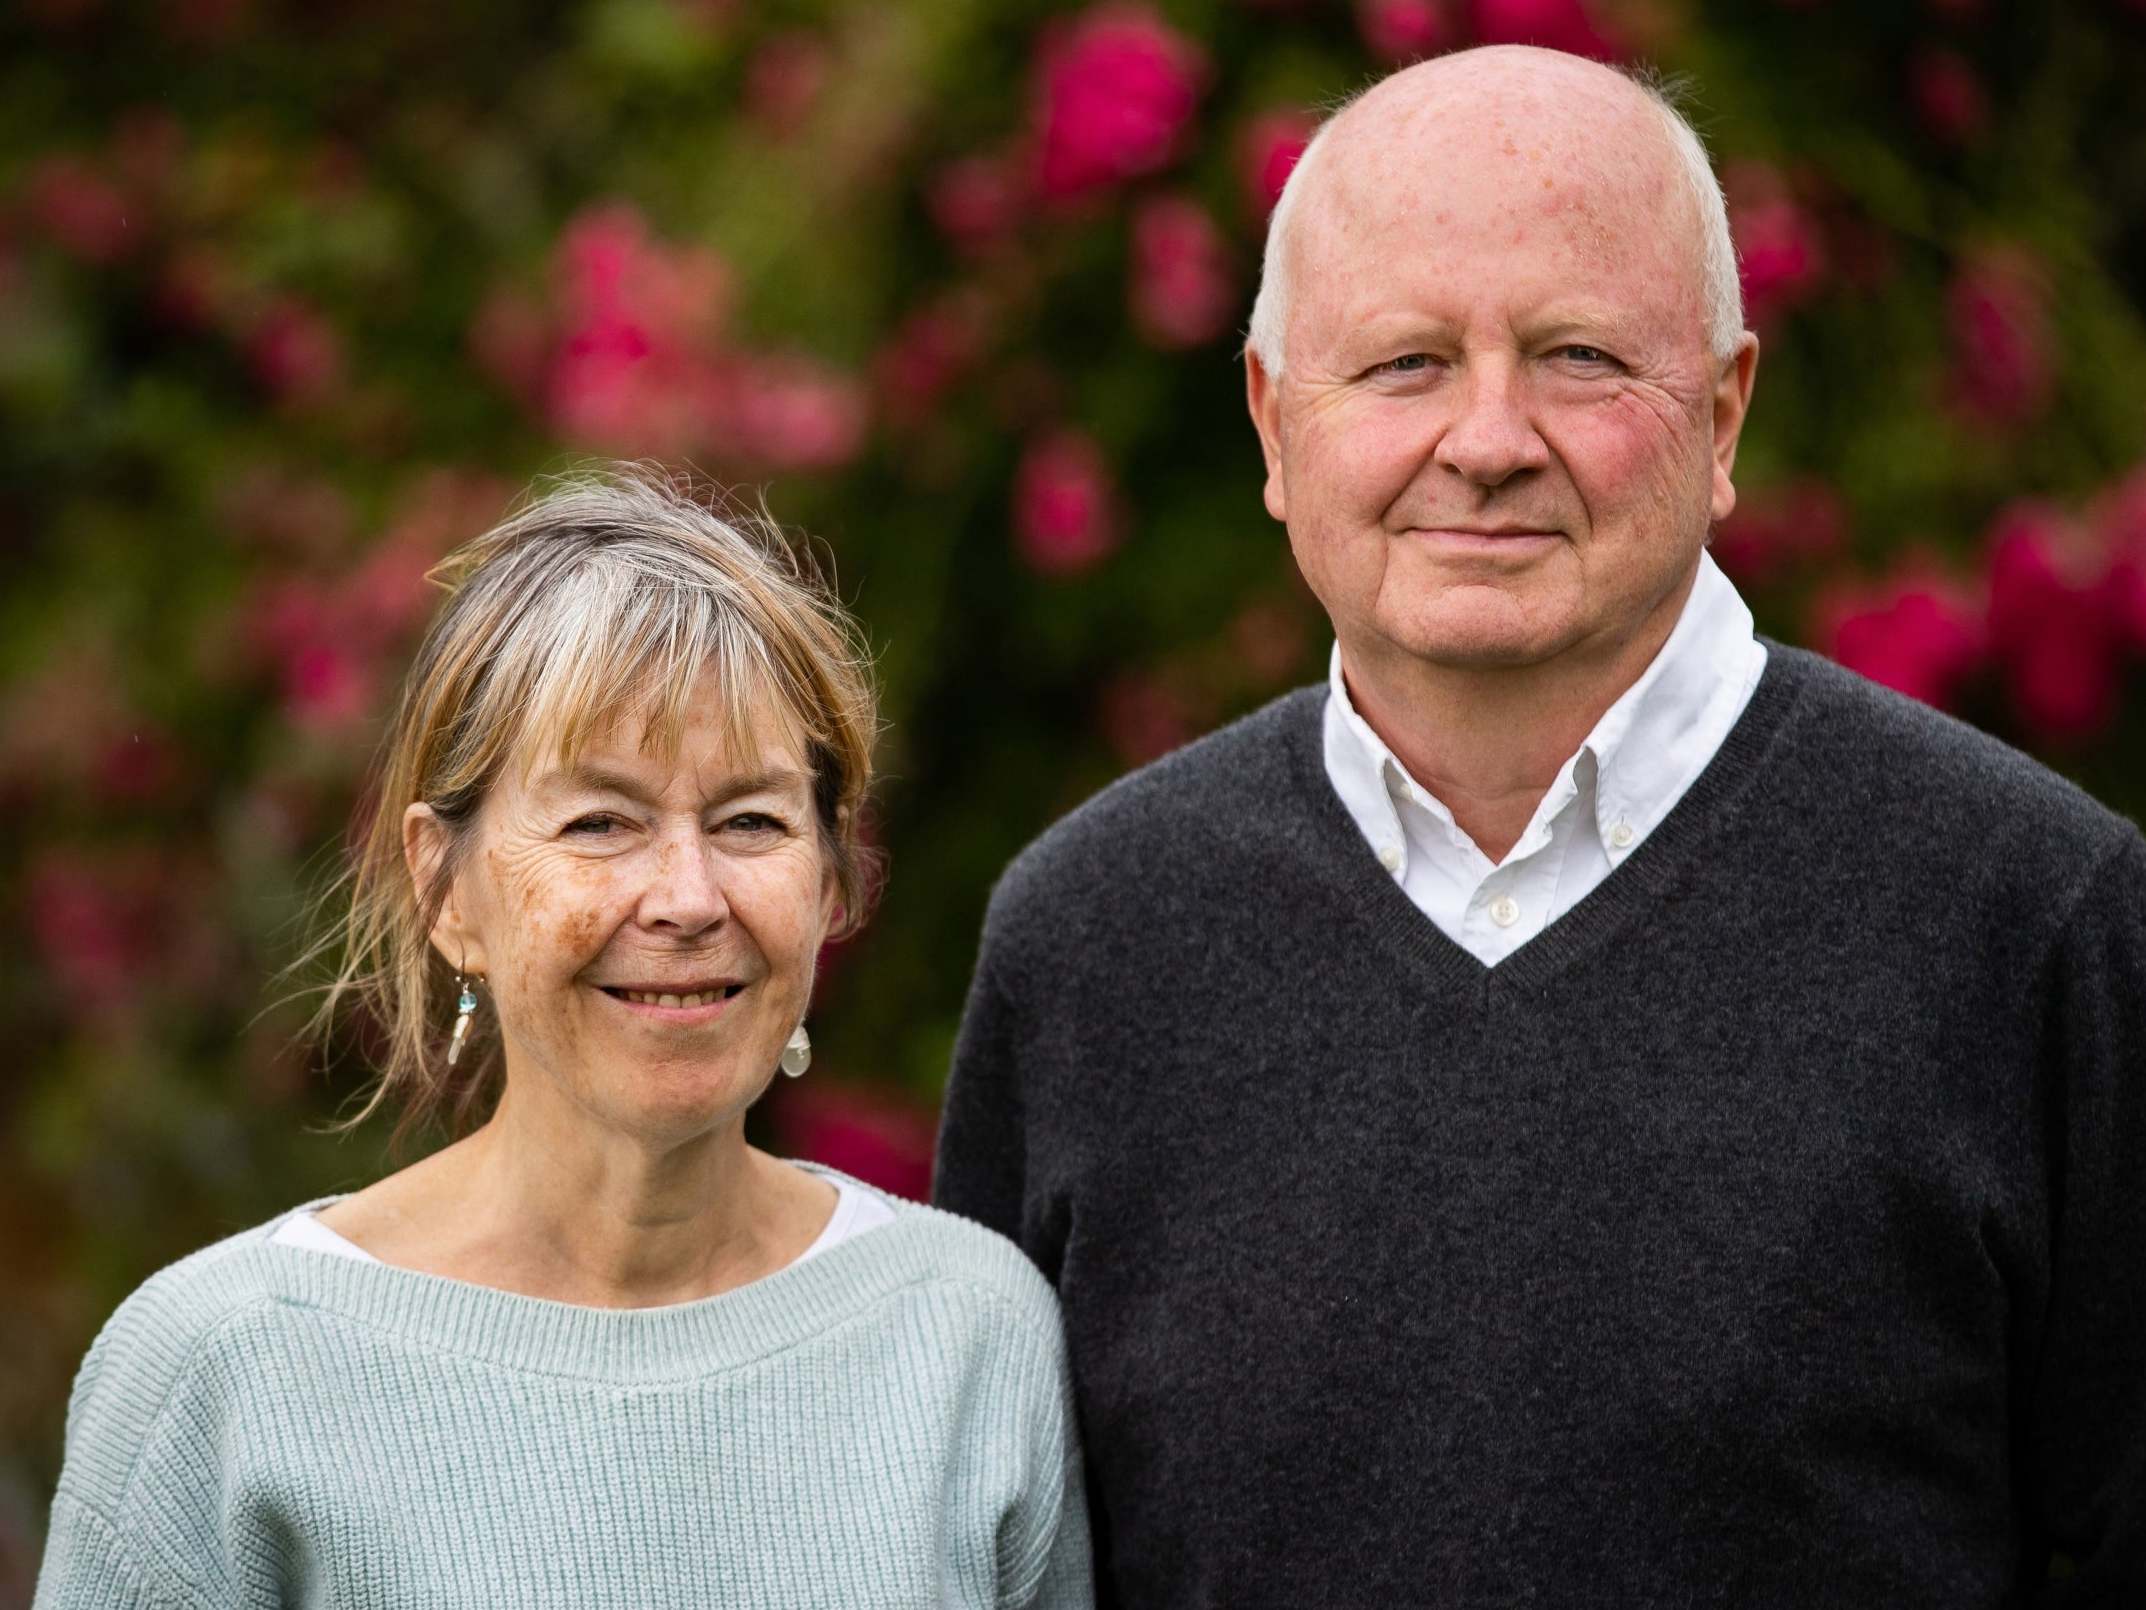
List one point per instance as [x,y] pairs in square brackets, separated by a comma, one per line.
[647,931]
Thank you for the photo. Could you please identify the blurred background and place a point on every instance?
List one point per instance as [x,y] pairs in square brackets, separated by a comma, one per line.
[293,297]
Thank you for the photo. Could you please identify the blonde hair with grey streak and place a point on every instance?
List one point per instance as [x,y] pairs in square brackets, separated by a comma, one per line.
[602,600]
[1722,290]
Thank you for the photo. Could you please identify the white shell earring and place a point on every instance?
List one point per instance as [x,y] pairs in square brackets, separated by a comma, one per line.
[797,1055]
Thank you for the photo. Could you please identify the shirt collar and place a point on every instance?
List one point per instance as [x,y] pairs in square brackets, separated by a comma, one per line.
[1642,753]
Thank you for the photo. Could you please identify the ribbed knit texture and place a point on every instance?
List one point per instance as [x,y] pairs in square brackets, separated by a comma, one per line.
[886,1424]
[1770,1231]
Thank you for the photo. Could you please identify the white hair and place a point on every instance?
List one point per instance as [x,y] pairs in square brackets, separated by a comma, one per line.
[1717,248]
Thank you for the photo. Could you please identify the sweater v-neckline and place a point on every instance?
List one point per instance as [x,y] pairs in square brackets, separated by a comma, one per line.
[1630,890]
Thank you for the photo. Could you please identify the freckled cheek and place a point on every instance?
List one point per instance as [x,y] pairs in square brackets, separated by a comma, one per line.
[560,920]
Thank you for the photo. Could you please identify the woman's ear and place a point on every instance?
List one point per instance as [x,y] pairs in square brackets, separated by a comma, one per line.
[424,852]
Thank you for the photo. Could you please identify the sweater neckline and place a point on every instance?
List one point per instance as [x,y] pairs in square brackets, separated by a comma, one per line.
[624,1346]
[1631,890]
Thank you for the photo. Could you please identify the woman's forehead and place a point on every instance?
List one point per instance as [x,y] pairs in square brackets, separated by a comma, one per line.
[704,728]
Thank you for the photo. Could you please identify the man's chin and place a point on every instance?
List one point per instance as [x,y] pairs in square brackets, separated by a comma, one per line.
[1489,636]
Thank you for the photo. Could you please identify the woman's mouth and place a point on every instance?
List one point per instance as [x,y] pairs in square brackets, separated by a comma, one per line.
[698,1004]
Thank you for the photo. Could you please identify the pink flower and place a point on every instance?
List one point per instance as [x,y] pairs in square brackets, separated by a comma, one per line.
[94,929]
[1268,152]
[1947,96]
[929,352]
[1779,254]
[1065,520]
[1115,93]
[2119,521]
[1778,529]
[1397,31]
[976,202]
[2051,627]
[1557,24]
[865,1133]
[632,369]
[2001,369]
[326,687]
[789,413]
[1184,287]
[1915,632]
[79,210]
[294,352]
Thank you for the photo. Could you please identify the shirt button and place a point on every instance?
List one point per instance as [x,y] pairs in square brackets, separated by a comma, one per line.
[1621,836]
[1390,859]
[1505,911]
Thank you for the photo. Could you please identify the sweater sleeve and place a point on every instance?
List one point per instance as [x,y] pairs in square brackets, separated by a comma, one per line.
[981,1168]
[1045,1562]
[2086,1443]
[88,1565]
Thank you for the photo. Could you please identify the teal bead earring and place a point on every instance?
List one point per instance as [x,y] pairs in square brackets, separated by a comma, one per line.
[465,1009]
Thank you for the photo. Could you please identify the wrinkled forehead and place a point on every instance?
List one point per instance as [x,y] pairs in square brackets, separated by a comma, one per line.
[713,720]
[1586,169]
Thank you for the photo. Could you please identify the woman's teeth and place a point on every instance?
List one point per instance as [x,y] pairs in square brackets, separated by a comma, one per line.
[703,998]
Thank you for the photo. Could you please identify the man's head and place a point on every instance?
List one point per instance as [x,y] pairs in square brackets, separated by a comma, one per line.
[1497,364]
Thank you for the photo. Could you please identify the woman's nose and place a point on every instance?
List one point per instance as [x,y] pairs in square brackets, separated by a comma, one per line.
[685,885]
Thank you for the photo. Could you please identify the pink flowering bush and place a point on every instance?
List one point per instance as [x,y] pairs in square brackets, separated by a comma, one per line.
[292,300]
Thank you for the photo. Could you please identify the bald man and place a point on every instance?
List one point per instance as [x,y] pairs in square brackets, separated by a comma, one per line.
[1588,1106]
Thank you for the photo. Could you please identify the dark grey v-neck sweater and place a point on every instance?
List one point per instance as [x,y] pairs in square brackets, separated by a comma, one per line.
[1771,1230]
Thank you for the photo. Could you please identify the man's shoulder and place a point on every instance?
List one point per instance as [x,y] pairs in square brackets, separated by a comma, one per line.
[1156,814]
[1909,774]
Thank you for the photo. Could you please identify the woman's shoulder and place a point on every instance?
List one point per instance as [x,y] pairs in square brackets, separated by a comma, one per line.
[158,1338]
[939,1248]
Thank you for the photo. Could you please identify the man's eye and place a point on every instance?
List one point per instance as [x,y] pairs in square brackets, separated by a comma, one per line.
[1580,353]
[1408,363]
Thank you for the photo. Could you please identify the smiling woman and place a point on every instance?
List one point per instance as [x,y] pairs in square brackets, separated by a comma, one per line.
[596,1350]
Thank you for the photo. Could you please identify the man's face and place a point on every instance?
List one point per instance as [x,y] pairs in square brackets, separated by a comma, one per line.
[1499,437]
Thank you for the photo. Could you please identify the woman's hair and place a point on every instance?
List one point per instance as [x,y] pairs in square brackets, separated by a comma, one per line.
[604,598]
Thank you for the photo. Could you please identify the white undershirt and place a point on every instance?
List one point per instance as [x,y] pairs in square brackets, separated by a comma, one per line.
[856,1211]
[1645,752]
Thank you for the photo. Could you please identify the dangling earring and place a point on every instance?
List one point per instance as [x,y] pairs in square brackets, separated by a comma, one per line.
[797,1055]
[465,1009]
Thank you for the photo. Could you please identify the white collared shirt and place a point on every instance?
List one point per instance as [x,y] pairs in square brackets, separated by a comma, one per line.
[1631,769]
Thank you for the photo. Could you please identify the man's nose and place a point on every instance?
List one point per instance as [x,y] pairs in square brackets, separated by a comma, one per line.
[1491,437]
[684,895]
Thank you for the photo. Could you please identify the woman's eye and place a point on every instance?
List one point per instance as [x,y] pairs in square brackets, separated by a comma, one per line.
[595,826]
[755,824]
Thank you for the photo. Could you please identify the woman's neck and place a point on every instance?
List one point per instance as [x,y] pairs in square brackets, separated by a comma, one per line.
[552,1204]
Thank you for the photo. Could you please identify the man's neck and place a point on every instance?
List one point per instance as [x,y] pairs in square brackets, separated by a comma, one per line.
[1488,742]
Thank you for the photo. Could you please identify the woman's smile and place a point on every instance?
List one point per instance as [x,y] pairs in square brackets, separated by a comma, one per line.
[686,1005]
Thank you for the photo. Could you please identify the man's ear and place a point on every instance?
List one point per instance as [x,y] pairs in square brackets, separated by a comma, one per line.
[424,851]
[1263,395]
[1732,401]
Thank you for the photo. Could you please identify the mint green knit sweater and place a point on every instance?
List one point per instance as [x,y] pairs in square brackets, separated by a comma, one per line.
[885,1424]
